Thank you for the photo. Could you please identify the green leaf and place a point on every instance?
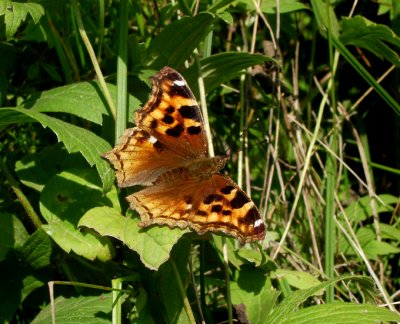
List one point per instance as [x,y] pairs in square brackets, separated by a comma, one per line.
[390,232]
[252,255]
[178,40]
[64,199]
[298,279]
[72,193]
[35,170]
[341,313]
[254,291]
[83,99]
[75,139]
[370,245]
[219,68]
[269,6]
[15,13]
[375,248]
[86,245]
[290,304]
[361,32]
[361,209]
[37,250]
[84,309]
[12,232]
[153,244]
[233,257]
[227,17]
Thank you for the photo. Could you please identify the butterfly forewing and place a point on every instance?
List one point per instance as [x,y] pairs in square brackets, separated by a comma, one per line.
[139,159]
[172,115]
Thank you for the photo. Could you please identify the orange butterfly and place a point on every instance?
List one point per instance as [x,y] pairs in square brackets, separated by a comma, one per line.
[168,152]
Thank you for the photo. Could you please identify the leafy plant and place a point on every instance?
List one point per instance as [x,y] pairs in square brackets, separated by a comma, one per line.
[286,98]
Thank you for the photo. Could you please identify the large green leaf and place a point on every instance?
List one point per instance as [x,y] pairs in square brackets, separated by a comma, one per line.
[341,313]
[178,40]
[64,199]
[83,309]
[153,244]
[361,32]
[75,139]
[83,99]
[290,304]
[35,170]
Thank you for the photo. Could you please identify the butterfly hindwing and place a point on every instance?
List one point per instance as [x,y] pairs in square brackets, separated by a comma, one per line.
[213,205]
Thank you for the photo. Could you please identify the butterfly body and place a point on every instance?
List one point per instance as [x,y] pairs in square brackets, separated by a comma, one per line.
[168,152]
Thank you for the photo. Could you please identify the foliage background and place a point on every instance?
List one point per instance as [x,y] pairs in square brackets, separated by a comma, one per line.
[292,93]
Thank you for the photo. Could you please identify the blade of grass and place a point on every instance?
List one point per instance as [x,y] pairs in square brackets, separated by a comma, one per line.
[92,55]
[365,74]
[331,176]
[122,71]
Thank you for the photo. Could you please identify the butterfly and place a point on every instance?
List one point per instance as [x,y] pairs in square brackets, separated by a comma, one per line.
[168,153]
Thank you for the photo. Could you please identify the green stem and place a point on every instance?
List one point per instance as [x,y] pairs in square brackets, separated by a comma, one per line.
[182,290]
[117,300]
[331,167]
[122,71]
[20,195]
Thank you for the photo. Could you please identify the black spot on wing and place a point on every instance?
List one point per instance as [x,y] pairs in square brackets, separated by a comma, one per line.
[194,130]
[170,110]
[190,112]
[175,131]
[201,213]
[158,146]
[227,190]
[251,216]
[153,124]
[216,208]
[239,200]
[226,212]
[167,119]
[213,197]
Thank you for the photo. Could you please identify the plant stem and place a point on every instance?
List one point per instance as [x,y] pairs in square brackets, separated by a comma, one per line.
[186,303]
[20,195]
